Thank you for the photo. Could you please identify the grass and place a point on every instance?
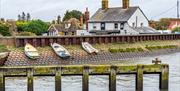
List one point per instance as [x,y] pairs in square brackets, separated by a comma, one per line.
[138,46]
[3,48]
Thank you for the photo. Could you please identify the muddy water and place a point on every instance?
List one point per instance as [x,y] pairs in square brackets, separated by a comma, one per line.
[100,83]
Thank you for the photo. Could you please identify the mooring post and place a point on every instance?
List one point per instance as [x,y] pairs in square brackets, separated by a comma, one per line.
[30,79]
[2,81]
[58,79]
[112,79]
[85,80]
[139,78]
[164,77]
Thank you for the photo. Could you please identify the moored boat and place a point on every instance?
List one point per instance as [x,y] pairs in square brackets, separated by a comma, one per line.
[89,48]
[31,51]
[60,50]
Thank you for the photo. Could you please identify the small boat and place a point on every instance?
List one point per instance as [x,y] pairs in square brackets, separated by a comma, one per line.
[60,51]
[89,48]
[31,51]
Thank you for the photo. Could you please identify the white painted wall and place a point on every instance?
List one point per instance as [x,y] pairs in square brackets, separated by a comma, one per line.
[82,32]
[140,19]
[90,26]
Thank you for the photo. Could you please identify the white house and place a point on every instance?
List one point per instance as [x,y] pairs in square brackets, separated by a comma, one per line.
[119,20]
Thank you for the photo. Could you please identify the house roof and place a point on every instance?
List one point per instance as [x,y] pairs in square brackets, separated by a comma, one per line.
[116,14]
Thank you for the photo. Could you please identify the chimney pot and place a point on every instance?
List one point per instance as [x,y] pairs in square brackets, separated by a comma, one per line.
[105,4]
[125,4]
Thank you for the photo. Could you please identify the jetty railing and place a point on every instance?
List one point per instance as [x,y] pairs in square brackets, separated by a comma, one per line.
[85,71]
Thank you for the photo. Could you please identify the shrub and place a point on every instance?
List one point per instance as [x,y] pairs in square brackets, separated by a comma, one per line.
[126,50]
[3,48]
[4,30]
[26,34]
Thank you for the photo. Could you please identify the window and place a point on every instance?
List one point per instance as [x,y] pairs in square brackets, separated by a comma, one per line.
[122,26]
[142,24]
[65,33]
[133,24]
[125,31]
[115,25]
[103,26]
[73,33]
[94,27]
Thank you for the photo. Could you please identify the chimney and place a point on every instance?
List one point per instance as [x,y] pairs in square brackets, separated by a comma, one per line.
[81,20]
[105,4]
[86,15]
[125,4]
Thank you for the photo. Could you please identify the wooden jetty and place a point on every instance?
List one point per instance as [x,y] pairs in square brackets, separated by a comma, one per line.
[85,71]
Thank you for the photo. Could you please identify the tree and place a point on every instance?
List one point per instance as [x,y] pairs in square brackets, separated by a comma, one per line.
[160,25]
[177,29]
[19,18]
[35,26]
[4,30]
[23,16]
[72,14]
[28,17]
[58,19]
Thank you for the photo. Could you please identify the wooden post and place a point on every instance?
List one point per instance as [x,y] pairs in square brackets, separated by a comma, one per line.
[164,78]
[58,79]
[2,81]
[43,42]
[30,80]
[139,78]
[35,42]
[85,80]
[112,79]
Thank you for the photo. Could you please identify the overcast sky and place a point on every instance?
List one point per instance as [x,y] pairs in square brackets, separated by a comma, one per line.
[49,9]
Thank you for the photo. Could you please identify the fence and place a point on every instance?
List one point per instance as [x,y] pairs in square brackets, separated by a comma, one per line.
[85,71]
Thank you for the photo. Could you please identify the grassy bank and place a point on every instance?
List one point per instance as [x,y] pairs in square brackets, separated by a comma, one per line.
[138,46]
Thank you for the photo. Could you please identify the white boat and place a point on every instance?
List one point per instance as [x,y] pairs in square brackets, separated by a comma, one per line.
[31,51]
[89,48]
[60,50]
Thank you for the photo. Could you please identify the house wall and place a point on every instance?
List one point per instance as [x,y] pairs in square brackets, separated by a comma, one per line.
[98,26]
[127,30]
[140,17]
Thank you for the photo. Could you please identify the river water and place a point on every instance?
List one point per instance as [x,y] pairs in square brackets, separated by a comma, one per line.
[100,83]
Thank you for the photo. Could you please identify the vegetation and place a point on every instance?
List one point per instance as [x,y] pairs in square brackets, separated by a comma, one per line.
[4,30]
[26,34]
[126,50]
[72,14]
[35,26]
[3,48]
[150,48]
[24,17]
[177,29]
[160,47]
[160,25]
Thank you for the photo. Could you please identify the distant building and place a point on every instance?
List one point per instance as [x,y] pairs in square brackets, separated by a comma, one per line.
[64,28]
[174,22]
[124,20]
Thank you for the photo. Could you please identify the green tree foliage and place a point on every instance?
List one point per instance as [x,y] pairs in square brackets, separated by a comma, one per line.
[4,30]
[35,26]
[72,14]
[177,29]
[160,25]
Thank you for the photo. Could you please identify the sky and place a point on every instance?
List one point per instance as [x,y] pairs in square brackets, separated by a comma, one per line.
[48,10]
